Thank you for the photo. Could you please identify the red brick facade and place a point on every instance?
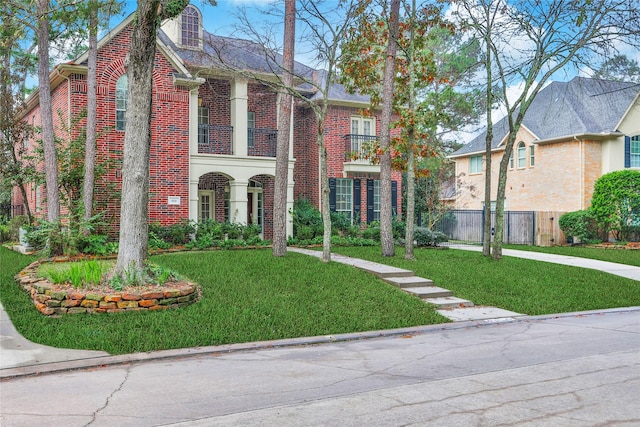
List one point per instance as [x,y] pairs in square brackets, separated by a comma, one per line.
[171,155]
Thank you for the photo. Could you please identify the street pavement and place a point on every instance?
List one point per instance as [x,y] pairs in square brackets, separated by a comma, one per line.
[573,369]
[566,370]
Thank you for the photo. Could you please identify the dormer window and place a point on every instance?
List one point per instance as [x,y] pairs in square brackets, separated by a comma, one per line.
[191,27]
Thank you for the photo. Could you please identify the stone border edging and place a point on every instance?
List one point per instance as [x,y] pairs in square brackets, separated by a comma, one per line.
[50,301]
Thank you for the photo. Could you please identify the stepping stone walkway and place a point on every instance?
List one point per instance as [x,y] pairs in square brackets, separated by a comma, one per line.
[449,306]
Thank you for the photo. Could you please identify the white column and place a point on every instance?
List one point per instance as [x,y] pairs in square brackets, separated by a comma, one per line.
[193,200]
[291,131]
[239,121]
[193,150]
[289,217]
[238,201]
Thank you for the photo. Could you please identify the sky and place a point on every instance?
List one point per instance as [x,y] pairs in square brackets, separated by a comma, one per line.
[219,19]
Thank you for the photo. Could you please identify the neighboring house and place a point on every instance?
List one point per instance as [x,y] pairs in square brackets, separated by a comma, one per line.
[213,131]
[572,134]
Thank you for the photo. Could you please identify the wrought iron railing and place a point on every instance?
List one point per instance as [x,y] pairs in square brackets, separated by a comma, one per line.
[215,139]
[359,148]
[262,142]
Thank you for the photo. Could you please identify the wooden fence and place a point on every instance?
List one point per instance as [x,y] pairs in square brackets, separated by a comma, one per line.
[520,227]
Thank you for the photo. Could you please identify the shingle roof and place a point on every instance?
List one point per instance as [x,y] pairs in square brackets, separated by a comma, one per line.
[226,52]
[221,52]
[580,106]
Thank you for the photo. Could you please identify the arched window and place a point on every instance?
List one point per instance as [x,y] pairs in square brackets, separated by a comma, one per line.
[190,27]
[122,89]
[522,155]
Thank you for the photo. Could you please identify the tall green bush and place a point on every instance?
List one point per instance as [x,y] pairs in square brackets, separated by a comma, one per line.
[616,204]
[579,224]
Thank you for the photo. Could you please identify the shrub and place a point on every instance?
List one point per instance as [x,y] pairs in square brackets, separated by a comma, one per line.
[425,237]
[95,244]
[580,224]
[306,220]
[616,203]
[372,232]
[175,234]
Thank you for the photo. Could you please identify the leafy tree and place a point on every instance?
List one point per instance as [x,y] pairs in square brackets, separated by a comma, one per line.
[16,170]
[526,42]
[134,216]
[615,204]
[619,68]
[432,60]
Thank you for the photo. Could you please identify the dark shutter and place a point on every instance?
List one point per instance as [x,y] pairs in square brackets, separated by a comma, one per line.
[332,194]
[627,151]
[356,201]
[369,200]
[394,198]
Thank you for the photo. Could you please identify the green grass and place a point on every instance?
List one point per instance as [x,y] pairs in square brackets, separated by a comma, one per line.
[621,256]
[247,295]
[516,284]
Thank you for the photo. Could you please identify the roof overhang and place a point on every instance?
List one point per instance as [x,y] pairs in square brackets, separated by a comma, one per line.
[582,136]
[58,75]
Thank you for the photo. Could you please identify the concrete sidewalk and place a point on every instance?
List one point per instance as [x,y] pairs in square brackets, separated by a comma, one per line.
[623,270]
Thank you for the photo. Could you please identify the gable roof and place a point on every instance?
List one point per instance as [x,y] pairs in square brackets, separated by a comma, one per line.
[563,109]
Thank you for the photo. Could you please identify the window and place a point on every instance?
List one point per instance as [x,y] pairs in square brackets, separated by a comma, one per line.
[362,132]
[190,27]
[122,89]
[376,200]
[532,157]
[635,152]
[203,125]
[511,160]
[522,155]
[344,196]
[475,164]
[251,125]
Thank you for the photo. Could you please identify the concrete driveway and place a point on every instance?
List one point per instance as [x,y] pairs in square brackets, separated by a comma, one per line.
[580,369]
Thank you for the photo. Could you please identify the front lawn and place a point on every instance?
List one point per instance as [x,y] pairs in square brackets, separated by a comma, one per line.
[516,284]
[247,295]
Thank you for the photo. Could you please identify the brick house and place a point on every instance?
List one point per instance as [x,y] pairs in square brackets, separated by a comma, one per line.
[573,133]
[213,131]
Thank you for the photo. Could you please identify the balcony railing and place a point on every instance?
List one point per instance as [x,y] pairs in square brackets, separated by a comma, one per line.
[215,139]
[262,142]
[359,148]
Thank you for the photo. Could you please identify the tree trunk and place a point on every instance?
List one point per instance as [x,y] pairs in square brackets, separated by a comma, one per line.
[90,147]
[134,212]
[502,184]
[324,189]
[284,130]
[411,137]
[486,239]
[386,230]
[46,114]
[411,200]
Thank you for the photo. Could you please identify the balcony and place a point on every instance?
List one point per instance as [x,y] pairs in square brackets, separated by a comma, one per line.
[359,148]
[358,152]
[215,139]
[261,142]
